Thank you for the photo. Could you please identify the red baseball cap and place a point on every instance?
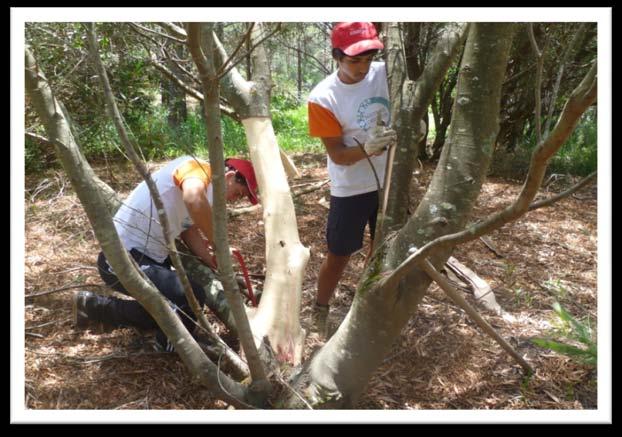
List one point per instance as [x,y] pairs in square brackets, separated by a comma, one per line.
[245,168]
[354,38]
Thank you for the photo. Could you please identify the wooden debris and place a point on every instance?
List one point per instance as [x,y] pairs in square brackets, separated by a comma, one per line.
[488,242]
[481,290]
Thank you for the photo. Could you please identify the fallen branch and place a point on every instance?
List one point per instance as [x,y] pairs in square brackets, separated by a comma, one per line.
[489,245]
[480,288]
[427,266]
[53,322]
[314,187]
[546,202]
[308,189]
[44,293]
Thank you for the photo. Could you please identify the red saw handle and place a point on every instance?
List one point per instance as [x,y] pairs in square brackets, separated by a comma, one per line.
[236,253]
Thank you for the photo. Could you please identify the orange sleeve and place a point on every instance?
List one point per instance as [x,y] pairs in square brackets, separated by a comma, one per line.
[193,169]
[322,122]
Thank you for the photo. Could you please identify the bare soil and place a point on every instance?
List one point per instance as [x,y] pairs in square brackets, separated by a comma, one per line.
[440,361]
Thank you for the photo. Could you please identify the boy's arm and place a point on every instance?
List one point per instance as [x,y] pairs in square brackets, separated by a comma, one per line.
[200,211]
[194,240]
[342,155]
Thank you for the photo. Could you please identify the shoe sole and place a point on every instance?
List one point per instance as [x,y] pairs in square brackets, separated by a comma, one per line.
[80,321]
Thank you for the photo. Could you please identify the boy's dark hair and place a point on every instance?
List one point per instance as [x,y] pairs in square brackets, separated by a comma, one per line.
[239,178]
[338,54]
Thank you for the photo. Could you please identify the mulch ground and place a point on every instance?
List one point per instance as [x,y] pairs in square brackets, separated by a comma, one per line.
[440,361]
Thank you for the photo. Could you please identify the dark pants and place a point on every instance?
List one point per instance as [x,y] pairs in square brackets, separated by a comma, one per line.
[122,312]
[347,219]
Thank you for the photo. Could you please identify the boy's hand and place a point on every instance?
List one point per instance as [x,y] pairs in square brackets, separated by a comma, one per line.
[380,139]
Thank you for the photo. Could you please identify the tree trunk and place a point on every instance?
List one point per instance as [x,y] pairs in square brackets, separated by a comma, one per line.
[299,67]
[175,96]
[442,114]
[409,103]
[199,47]
[278,314]
[97,210]
[339,372]
[59,133]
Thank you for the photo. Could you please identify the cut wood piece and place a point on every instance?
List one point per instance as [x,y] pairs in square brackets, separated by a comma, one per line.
[290,168]
[488,242]
[427,266]
[481,290]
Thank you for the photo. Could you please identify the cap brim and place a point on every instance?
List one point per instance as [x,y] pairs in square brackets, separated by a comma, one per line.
[363,46]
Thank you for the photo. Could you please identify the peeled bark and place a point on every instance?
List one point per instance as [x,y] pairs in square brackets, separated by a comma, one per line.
[278,314]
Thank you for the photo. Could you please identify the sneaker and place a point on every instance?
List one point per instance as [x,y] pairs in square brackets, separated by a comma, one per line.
[80,316]
[319,319]
[162,343]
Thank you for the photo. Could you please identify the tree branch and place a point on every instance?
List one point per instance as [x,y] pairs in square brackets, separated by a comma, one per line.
[256,42]
[221,69]
[101,220]
[446,286]
[538,86]
[163,35]
[228,111]
[322,67]
[180,32]
[39,138]
[582,97]
[144,172]
[565,57]
[546,202]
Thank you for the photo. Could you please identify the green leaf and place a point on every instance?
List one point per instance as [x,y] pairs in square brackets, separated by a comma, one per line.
[583,333]
[561,348]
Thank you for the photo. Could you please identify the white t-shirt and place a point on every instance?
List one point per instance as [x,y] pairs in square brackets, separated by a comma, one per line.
[344,110]
[137,221]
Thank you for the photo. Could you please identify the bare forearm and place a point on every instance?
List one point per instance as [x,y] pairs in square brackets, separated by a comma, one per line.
[197,245]
[341,154]
[200,212]
[346,155]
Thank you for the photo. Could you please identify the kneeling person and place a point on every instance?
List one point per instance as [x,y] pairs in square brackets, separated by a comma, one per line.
[185,186]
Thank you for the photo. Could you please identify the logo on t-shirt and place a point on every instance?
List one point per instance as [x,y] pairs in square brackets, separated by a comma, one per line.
[367,113]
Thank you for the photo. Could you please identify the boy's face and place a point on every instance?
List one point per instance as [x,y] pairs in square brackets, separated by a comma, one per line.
[353,69]
[234,190]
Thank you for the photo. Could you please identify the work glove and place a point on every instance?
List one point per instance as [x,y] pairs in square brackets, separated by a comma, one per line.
[380,138]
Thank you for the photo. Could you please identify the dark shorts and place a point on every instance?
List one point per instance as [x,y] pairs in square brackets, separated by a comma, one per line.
[347,219]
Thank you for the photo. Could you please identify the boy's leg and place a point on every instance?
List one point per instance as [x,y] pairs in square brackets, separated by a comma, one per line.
[111,311]
[119,312]
[345,228]
[331,271]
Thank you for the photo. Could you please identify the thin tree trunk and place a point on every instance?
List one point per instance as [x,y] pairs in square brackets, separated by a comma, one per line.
[100,218]
[299,67]
[59,132]
[409,102]
[208,76]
